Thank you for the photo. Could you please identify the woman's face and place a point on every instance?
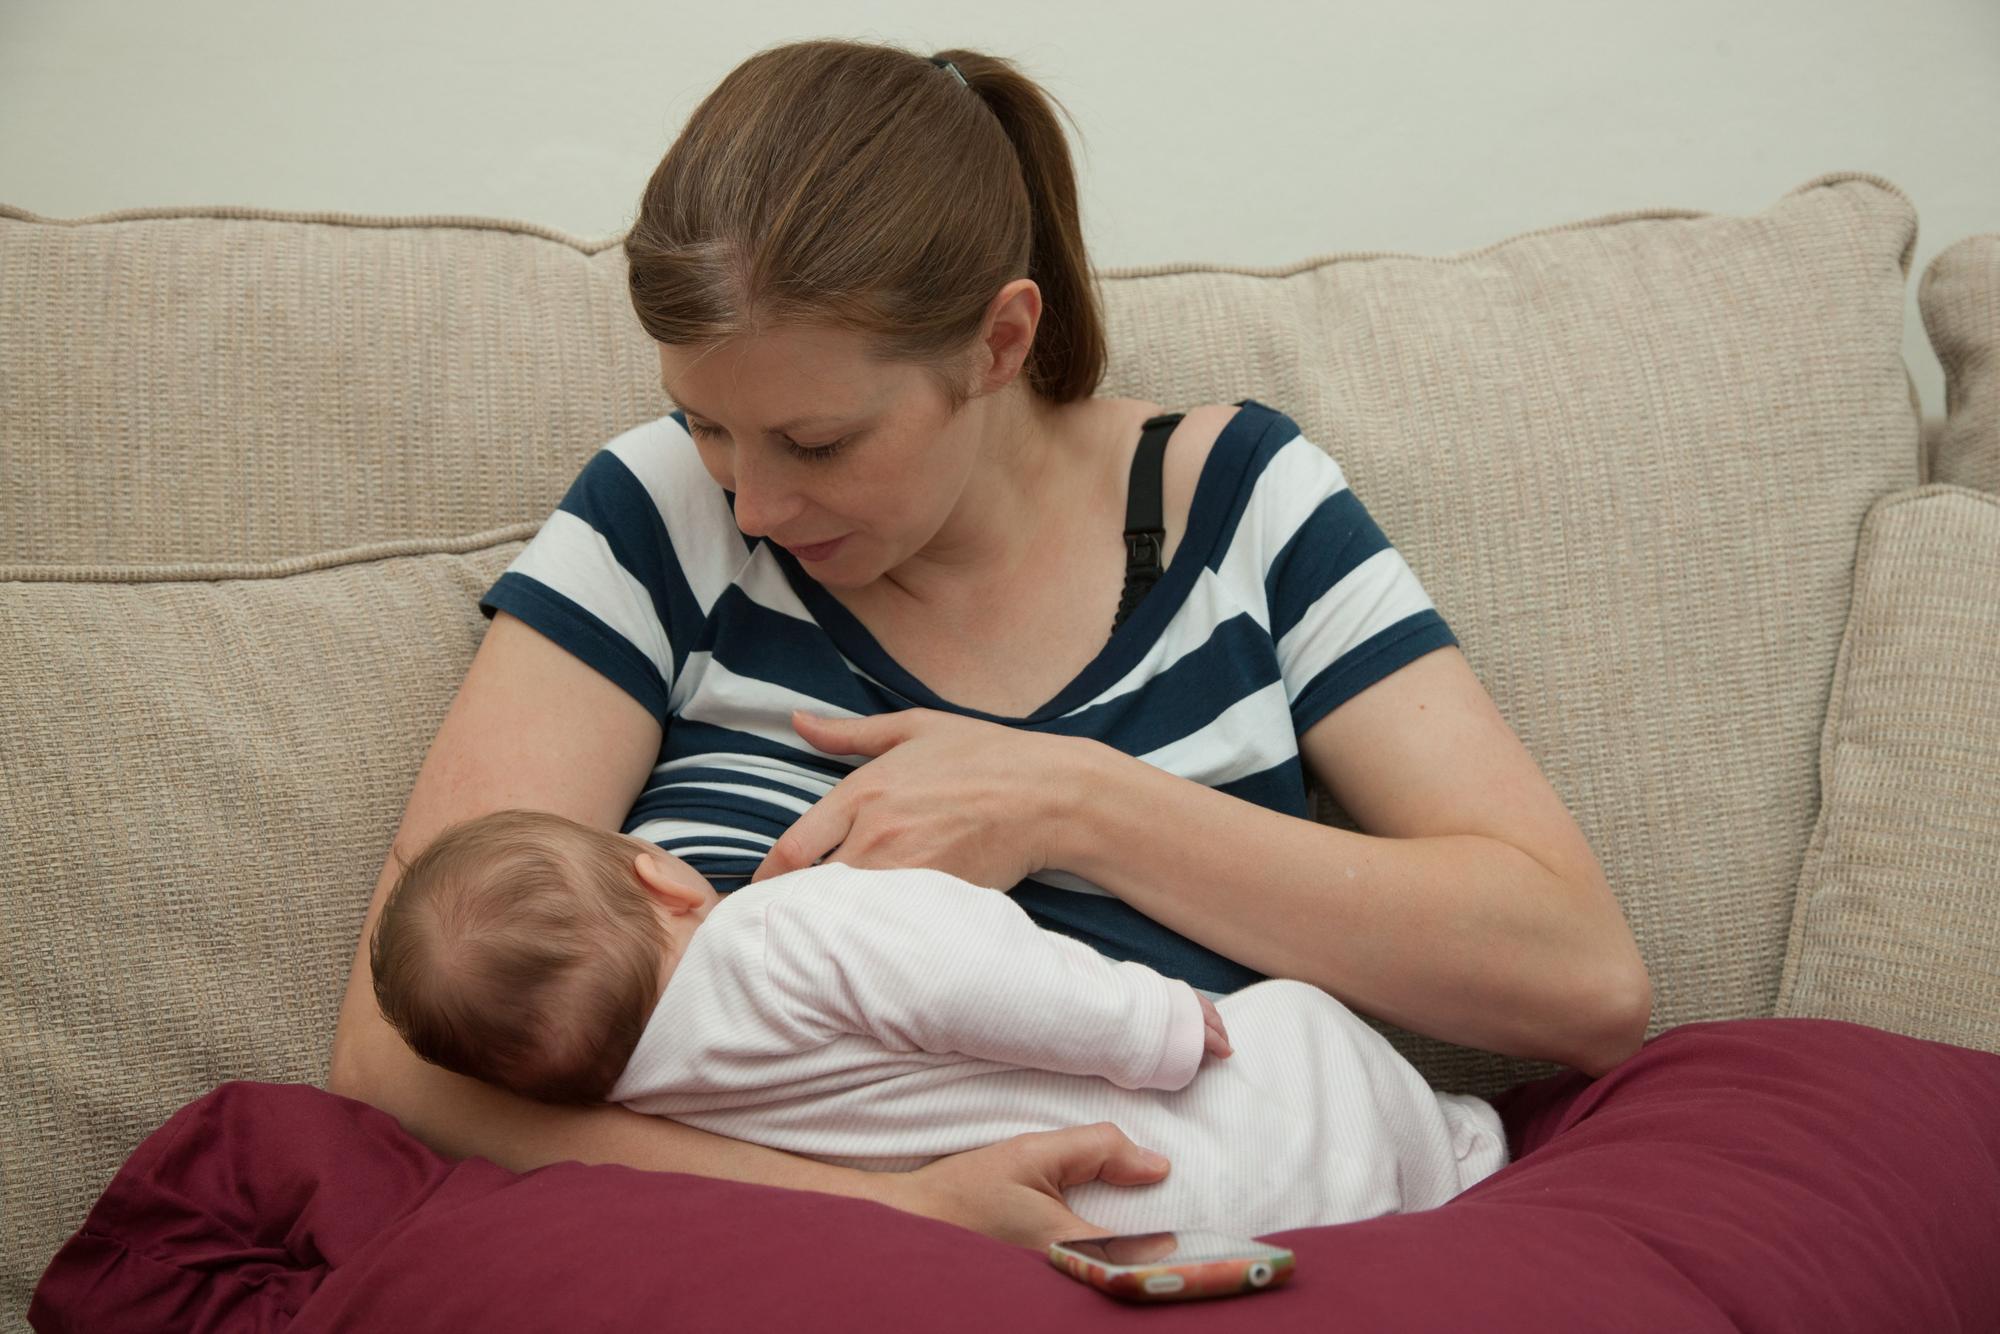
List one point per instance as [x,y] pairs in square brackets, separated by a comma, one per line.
[818,443]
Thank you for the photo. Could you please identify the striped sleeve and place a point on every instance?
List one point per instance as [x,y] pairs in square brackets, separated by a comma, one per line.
[1345,608]
[601,577]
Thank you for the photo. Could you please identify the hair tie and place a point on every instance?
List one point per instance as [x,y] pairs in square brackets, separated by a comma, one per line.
[942,63]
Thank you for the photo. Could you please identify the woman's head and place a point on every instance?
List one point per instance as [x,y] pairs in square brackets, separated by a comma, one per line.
[521,948]
[844,231]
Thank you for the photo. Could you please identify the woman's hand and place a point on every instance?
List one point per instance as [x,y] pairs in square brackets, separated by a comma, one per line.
[1012,1190]
[954,794]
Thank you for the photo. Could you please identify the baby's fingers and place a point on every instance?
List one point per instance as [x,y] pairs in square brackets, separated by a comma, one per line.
[1215,1037]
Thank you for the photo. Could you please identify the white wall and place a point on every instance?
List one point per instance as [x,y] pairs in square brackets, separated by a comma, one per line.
[1435,125]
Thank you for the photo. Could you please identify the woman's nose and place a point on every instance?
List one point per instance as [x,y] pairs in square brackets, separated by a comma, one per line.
[764,502]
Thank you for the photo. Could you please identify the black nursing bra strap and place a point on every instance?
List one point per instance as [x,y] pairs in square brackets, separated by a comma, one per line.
[1145,528]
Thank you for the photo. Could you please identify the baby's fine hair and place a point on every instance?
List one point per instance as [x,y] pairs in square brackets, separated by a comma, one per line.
[519,949]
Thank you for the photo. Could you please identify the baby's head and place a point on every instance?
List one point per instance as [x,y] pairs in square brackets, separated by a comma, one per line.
[528,950]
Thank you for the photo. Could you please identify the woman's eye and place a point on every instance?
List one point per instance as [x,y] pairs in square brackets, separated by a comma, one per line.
[795,449]
[816,451]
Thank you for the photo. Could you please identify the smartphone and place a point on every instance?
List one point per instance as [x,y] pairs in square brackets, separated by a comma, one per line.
[1173,1266]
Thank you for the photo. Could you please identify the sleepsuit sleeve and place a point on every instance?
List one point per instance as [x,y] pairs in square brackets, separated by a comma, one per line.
[921,960]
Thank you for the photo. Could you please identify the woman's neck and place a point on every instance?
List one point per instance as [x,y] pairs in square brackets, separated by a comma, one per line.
[1033,476]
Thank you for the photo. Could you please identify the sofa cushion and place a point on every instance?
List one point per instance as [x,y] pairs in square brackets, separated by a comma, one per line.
[1959,299]
[1897,922]
[202,776]
[1628,458]
[1764,1176]
[242,384]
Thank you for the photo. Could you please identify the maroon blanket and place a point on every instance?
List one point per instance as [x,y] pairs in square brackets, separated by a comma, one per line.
[1759,1174]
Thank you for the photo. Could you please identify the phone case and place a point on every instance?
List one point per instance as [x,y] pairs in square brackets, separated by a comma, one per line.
[1175,1282]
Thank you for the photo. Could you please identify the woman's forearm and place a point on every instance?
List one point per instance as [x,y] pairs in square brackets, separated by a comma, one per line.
[461,1117]
[1461,937]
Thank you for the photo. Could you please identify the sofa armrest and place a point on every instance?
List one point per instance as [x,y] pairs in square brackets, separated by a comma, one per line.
[1897,917]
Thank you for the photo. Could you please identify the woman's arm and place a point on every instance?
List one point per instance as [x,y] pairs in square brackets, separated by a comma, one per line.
[533,726]
[1473,910]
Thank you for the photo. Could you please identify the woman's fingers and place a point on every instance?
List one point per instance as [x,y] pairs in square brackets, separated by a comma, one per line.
[1099,1152]
[815,834]
[1096,1152]
[1012,1190]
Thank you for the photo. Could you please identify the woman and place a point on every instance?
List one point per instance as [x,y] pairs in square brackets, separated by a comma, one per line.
[889,493]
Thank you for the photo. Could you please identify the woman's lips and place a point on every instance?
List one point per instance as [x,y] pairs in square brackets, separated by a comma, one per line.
[820,551]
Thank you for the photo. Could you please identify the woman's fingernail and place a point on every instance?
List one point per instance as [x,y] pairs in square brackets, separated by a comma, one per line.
[1152,1159]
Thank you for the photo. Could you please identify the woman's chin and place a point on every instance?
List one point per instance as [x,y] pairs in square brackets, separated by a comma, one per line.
[834,579]
[841,570]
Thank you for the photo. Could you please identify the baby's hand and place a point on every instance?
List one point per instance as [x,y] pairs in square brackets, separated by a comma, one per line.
[1215,1039]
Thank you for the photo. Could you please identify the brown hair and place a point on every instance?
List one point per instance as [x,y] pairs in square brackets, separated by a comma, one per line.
[861,187]
[519,948]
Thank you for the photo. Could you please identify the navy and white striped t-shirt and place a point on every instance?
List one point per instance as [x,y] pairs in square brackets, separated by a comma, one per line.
[1283,600]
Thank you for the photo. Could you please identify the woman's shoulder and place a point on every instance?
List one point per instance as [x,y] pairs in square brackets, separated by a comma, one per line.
[661,448]
[645,497]
[1189,446]
[652,468]
[1195,438]
[1249,431]
[1246,422]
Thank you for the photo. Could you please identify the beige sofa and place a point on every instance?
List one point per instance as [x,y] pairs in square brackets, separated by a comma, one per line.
[1663,472]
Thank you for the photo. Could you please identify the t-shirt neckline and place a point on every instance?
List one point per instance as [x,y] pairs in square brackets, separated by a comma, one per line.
[1208,513]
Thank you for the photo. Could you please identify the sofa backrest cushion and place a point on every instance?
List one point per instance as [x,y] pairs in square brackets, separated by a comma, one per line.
[237,384]
[1628,458]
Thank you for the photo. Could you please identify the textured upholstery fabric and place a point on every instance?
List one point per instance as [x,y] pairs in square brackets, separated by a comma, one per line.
[1897,922]
[1933,434]
[196,385]
[1959,299]
[260,466]
[202,777]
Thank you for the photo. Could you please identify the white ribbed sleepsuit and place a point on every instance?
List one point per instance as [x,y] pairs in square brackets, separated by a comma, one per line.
[881,1018]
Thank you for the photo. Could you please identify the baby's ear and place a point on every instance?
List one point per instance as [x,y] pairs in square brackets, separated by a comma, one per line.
[657,874]
[649,867]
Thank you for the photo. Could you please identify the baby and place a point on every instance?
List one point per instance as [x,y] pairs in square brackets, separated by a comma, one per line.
[880,1019]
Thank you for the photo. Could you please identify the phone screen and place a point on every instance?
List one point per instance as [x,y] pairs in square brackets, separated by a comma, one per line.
[1186,1246]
